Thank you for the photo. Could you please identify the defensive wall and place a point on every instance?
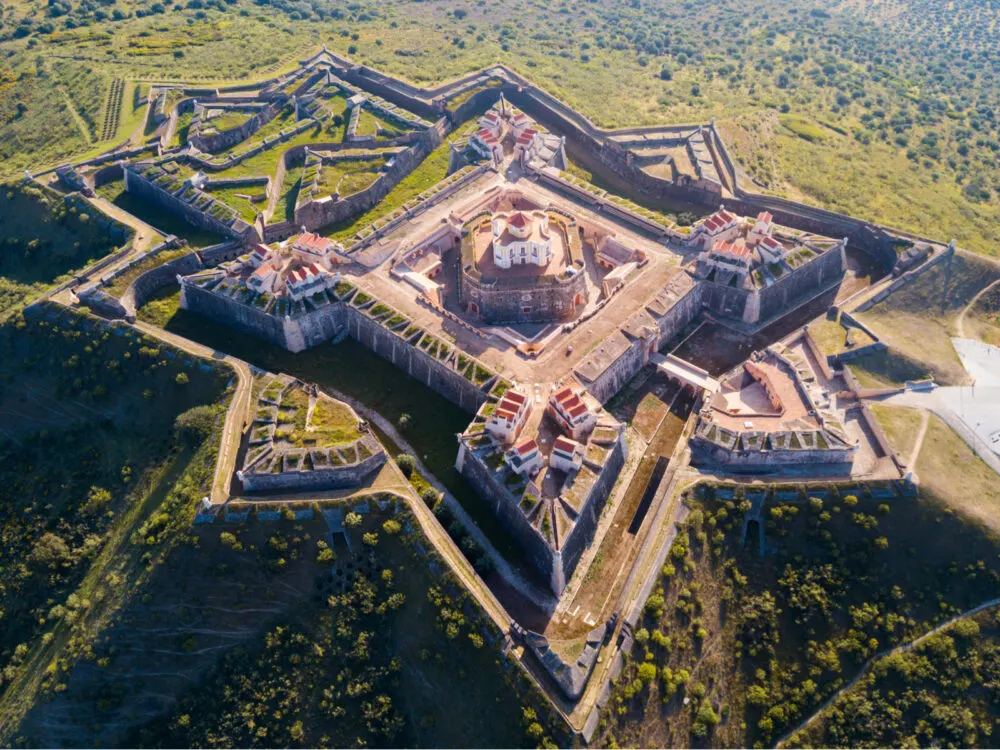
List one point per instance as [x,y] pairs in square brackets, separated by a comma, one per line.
[329,322]
[239,229]
[555,561]
[321,477]
[212,143]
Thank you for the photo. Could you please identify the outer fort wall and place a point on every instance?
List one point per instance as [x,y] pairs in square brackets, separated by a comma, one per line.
[414,362]
[242,317]
[505,509]
[587,143]
[389,89]
[316,479]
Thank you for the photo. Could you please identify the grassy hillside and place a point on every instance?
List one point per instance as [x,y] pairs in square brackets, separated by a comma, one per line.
[918,321]
[815,103]
[104,453]
[44,238]
[736,648]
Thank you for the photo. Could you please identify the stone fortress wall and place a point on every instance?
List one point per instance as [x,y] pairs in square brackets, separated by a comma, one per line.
[314,479]
[558,565]
[330,322]
[135,183]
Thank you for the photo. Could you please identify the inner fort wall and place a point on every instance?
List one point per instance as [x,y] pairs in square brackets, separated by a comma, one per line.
[414,361]
[583,532]
[235,314]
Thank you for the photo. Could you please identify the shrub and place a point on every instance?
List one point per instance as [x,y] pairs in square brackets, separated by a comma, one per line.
[430,497]
[406,463]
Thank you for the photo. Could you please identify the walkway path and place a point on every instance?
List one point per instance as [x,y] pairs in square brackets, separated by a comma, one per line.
[960,320]
[237,417]
[903,648]
[973,412]
[925,420]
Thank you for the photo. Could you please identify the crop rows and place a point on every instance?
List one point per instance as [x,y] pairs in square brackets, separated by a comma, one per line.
[113,109]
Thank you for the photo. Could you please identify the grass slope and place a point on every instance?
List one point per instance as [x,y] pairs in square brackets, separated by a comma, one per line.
[735,648]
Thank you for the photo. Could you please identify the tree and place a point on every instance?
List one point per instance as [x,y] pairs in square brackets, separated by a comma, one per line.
[647,672]
[406,463]
[430,497]
[195,424]
[352,520]
[182,378]
[50,551]
[97,500]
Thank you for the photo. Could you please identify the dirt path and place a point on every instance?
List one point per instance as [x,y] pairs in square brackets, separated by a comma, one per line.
[237,416]
[903,648]
[960,320]
[925,419]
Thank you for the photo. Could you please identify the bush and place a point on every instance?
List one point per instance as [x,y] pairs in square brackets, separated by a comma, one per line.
[430,497]
[406,463]
[195,424]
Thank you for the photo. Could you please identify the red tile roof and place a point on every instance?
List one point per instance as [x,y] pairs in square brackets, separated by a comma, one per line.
[563,393]
[261,251]
[526,447]
[310,241]
[518,220]
[564,445]
[514,396]
[765,216]
[740,251]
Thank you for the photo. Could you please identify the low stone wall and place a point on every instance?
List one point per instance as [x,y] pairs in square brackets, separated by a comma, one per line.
[706,452]
[317,479]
